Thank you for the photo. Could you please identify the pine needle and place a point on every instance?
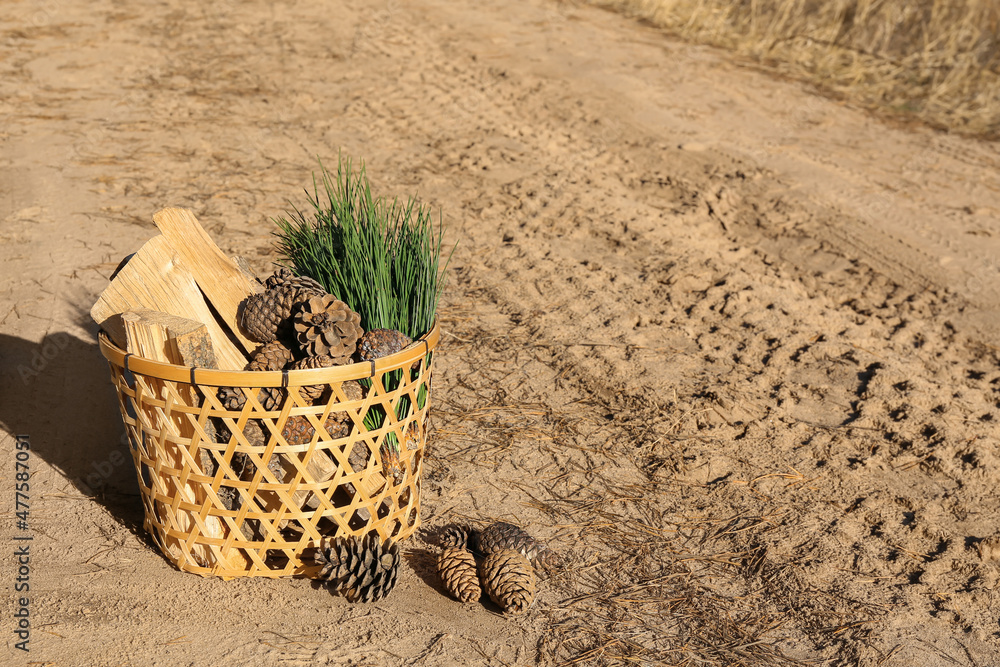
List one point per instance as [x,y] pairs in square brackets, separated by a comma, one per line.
[381,257]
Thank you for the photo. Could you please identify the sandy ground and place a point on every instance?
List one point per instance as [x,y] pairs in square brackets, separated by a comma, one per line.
[729,346]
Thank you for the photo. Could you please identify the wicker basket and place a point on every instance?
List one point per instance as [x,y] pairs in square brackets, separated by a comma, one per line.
[226,494]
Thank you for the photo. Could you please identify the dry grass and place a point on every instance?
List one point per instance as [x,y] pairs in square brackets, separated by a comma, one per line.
[936,60]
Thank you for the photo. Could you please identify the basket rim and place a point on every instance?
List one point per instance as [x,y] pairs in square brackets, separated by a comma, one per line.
[291,378]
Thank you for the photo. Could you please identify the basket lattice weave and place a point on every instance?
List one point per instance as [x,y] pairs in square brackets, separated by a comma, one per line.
[225,492]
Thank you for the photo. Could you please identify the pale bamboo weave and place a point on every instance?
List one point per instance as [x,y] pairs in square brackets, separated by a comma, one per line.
[261,507]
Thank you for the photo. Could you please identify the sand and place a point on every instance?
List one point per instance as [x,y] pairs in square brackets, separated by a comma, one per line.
[729,346]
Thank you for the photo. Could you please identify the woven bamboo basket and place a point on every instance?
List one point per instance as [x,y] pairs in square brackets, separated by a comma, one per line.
[233,494]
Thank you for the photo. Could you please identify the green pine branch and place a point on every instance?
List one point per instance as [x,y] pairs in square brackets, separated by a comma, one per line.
[381,257]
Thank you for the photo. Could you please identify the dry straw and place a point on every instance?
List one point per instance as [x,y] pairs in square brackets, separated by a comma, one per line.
[221,502]
[937,60]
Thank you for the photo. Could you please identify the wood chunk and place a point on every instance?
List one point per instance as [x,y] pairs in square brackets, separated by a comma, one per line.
[244,265]
[121,265]
[158,279]
[189,342]
[224,284]
[147,335]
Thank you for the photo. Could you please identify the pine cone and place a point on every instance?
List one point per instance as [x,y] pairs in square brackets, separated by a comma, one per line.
[284,277]
[254,432]
[458,536]
[498,536]
[324,325]
[353,391]
[381,343]
[271,356]
[268,315]
[457,569]
[361,570]
[392,467]
[280,276]
[358,458]
[298,430]
[509,580]
[314,392]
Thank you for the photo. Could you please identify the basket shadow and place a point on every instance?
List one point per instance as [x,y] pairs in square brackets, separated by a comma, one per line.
[58,392]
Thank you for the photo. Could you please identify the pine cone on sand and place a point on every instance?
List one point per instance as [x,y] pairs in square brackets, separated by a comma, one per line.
[500,535]
[359,569]
[381,343]
[509,580]
[457,569]
[272,356]
[458,536]
[268,315]
[326,326]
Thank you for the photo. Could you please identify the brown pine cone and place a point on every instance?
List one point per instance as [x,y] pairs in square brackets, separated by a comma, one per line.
[271,356]
[285,276]
[268,315]
[500,535]
[359,456]
[314,392]
[233,398]
[359,569]
[458,536]
[352,391]
[326,326]
[509,580]
[278,277]
[381,343]
[457,569]
[254,432]
[392,467]
[298,430]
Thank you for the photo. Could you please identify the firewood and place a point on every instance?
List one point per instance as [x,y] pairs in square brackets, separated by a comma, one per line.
[194,348]
[244,266]
[157,278]
[161,337]
[224,284]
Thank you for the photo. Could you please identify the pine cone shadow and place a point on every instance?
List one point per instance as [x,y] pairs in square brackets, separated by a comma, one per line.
[423,562]
[433,536]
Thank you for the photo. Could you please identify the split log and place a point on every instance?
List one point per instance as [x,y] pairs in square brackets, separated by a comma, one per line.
[158,279]
[220,278]
[244,266]
[171,339]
